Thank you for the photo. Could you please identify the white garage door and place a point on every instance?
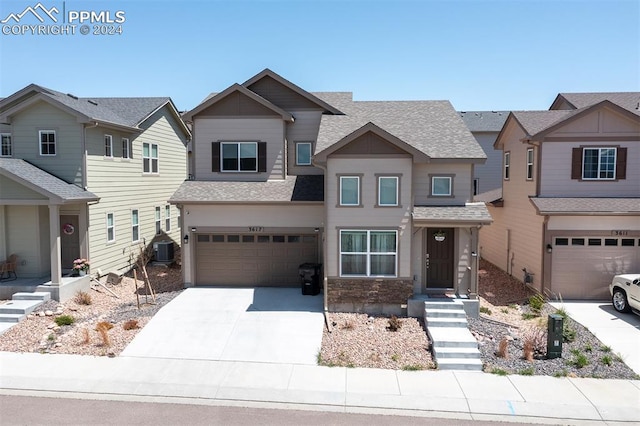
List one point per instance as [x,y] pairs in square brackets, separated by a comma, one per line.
[582,267]
[253,260]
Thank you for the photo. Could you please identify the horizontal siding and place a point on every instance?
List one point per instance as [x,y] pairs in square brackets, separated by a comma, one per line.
[208,130]
[267,216]
[122,186]
[489,174]
[67,163]
[304,129]
[461,184]
[594,223]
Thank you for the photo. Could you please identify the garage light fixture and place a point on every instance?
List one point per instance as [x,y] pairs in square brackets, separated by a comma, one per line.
[186,238]
[194,229]
[549,248]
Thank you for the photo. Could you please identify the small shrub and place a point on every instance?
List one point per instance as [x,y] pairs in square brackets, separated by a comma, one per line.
[130,325]
[607,360]
[536,302]
[527,371]
[513,306]
[563,313]
[499,371]
[605,348]
[527,350]
[64,320]
[412,367]
[104,335]
[503,348]
[579,359]
[104,325]
[85,336]
[82,298]
[562,373]
[535,342]
[588,347]
[348,325]
[568,333]
[51,337]
[485,310]
[394,323]
[504,310]
[528,316]
[395,357]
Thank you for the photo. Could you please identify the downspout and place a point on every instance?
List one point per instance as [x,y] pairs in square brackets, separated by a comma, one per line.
[325,298]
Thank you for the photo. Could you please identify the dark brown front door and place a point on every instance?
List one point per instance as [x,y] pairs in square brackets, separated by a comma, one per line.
[439,257]
[69,240]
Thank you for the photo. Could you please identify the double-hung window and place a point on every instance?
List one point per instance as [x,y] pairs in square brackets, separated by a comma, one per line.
[303,153]
[368,253]
[158,221]
[135,226]
[441,186]
[506,165]
[126,148]
[388,191]
[239,156]
[530,164]
[6,150]
[149,158]
[349,190]
[167,218]
[599,163]
[108,146]
[47,142]
[111,228]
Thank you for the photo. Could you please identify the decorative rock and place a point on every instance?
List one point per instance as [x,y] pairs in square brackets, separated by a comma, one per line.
[48,313]
[57,345]
[56,327]
[50,326]
[41,314]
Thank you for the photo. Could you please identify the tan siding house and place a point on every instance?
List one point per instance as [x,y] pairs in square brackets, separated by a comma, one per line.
[568,215]
[366,190]
[78,171]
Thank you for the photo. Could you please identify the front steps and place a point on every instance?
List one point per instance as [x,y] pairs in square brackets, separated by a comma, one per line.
[20,305]
[454,347]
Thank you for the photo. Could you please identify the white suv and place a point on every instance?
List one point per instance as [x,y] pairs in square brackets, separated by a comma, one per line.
[625,292]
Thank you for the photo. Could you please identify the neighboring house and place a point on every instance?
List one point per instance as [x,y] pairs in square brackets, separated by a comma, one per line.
[86,178]
[569,208]
[485,126]
[377,192]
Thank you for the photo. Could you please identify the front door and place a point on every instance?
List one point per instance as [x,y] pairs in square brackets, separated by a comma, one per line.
[439,257]
[69,240]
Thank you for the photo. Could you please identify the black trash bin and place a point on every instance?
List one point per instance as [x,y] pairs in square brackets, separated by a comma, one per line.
[310,278]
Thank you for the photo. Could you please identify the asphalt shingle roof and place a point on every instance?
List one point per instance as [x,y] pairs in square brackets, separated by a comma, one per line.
[627,100]
[293,188]
[432,127]
[489,196]
[471,212]
[587,205]
[536,121]
[17,168]
[484,121]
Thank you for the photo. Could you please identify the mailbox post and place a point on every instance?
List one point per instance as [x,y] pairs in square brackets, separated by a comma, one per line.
[554,336]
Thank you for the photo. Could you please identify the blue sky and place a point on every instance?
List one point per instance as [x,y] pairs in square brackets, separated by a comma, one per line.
[480,55]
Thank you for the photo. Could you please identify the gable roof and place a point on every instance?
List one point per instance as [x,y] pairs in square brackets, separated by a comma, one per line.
[267,73]
[476,213]
[484,121]
[431,127]
[627,100]
[57,190]
[211,100]
[129,113]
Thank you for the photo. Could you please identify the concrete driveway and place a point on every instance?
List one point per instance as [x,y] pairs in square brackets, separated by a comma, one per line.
[275,325]
[619,331]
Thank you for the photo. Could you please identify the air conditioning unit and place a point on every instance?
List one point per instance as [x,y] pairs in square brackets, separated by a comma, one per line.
[164,251]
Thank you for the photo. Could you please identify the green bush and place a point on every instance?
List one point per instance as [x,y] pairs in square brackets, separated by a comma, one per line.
[536,302]
[607,360]
[485,310]
[527,371]
[64,320]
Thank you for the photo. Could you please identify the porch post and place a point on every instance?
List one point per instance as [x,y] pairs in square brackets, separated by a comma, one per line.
[54,237]
[473,289]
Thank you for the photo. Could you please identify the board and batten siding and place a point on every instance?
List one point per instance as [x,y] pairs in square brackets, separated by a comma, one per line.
[422,184]
[304,129]
[208,130]
[122,187]
[67,163]
[368,216]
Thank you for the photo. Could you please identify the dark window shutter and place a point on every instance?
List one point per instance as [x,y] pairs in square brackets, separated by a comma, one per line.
[576,163]
[215,156]
[262,157]
[621,165]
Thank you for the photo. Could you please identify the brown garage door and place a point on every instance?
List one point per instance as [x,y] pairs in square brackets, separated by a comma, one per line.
[582,267]
[253,260]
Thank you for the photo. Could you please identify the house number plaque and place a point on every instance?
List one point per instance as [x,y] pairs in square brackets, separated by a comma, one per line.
[256,228]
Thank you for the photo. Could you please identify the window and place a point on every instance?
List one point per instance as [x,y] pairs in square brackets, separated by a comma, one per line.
[149,158]
[610,242]
[627,242]
[47,142]
[217,238]
[476,186]
[158,221]
[441,186]
[303,154]
[507,165]
[562,241]
[388,190]
[368,253]
[167,218]
[248,238]
[126,148]
[108,146]
[594,242]
[349,190]
[239,157]
[530,164]
[5,145]
[111,228]
[599,163]
[577,241]
[135,226]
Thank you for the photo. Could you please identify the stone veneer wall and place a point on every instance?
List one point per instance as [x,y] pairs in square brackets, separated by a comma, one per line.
[368,295]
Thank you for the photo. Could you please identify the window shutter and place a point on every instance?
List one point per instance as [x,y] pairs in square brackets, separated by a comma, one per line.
[215,156]
[621,166]
[576,163]
[262,157]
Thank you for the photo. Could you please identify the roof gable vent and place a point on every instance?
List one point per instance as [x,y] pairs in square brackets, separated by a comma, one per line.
[92,102]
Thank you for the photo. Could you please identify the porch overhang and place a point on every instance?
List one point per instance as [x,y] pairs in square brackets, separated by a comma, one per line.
[470,214]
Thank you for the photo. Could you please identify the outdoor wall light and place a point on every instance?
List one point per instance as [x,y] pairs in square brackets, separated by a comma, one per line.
[549,248]
[193,229]
[186,238]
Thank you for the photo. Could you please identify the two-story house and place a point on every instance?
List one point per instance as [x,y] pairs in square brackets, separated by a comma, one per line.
[569,211]
[377,192]
[86,178]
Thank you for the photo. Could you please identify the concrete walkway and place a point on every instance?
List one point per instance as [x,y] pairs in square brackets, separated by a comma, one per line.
[463,395]
[619,331]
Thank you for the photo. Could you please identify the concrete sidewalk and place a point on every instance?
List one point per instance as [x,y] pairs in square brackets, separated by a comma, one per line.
[464,395]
